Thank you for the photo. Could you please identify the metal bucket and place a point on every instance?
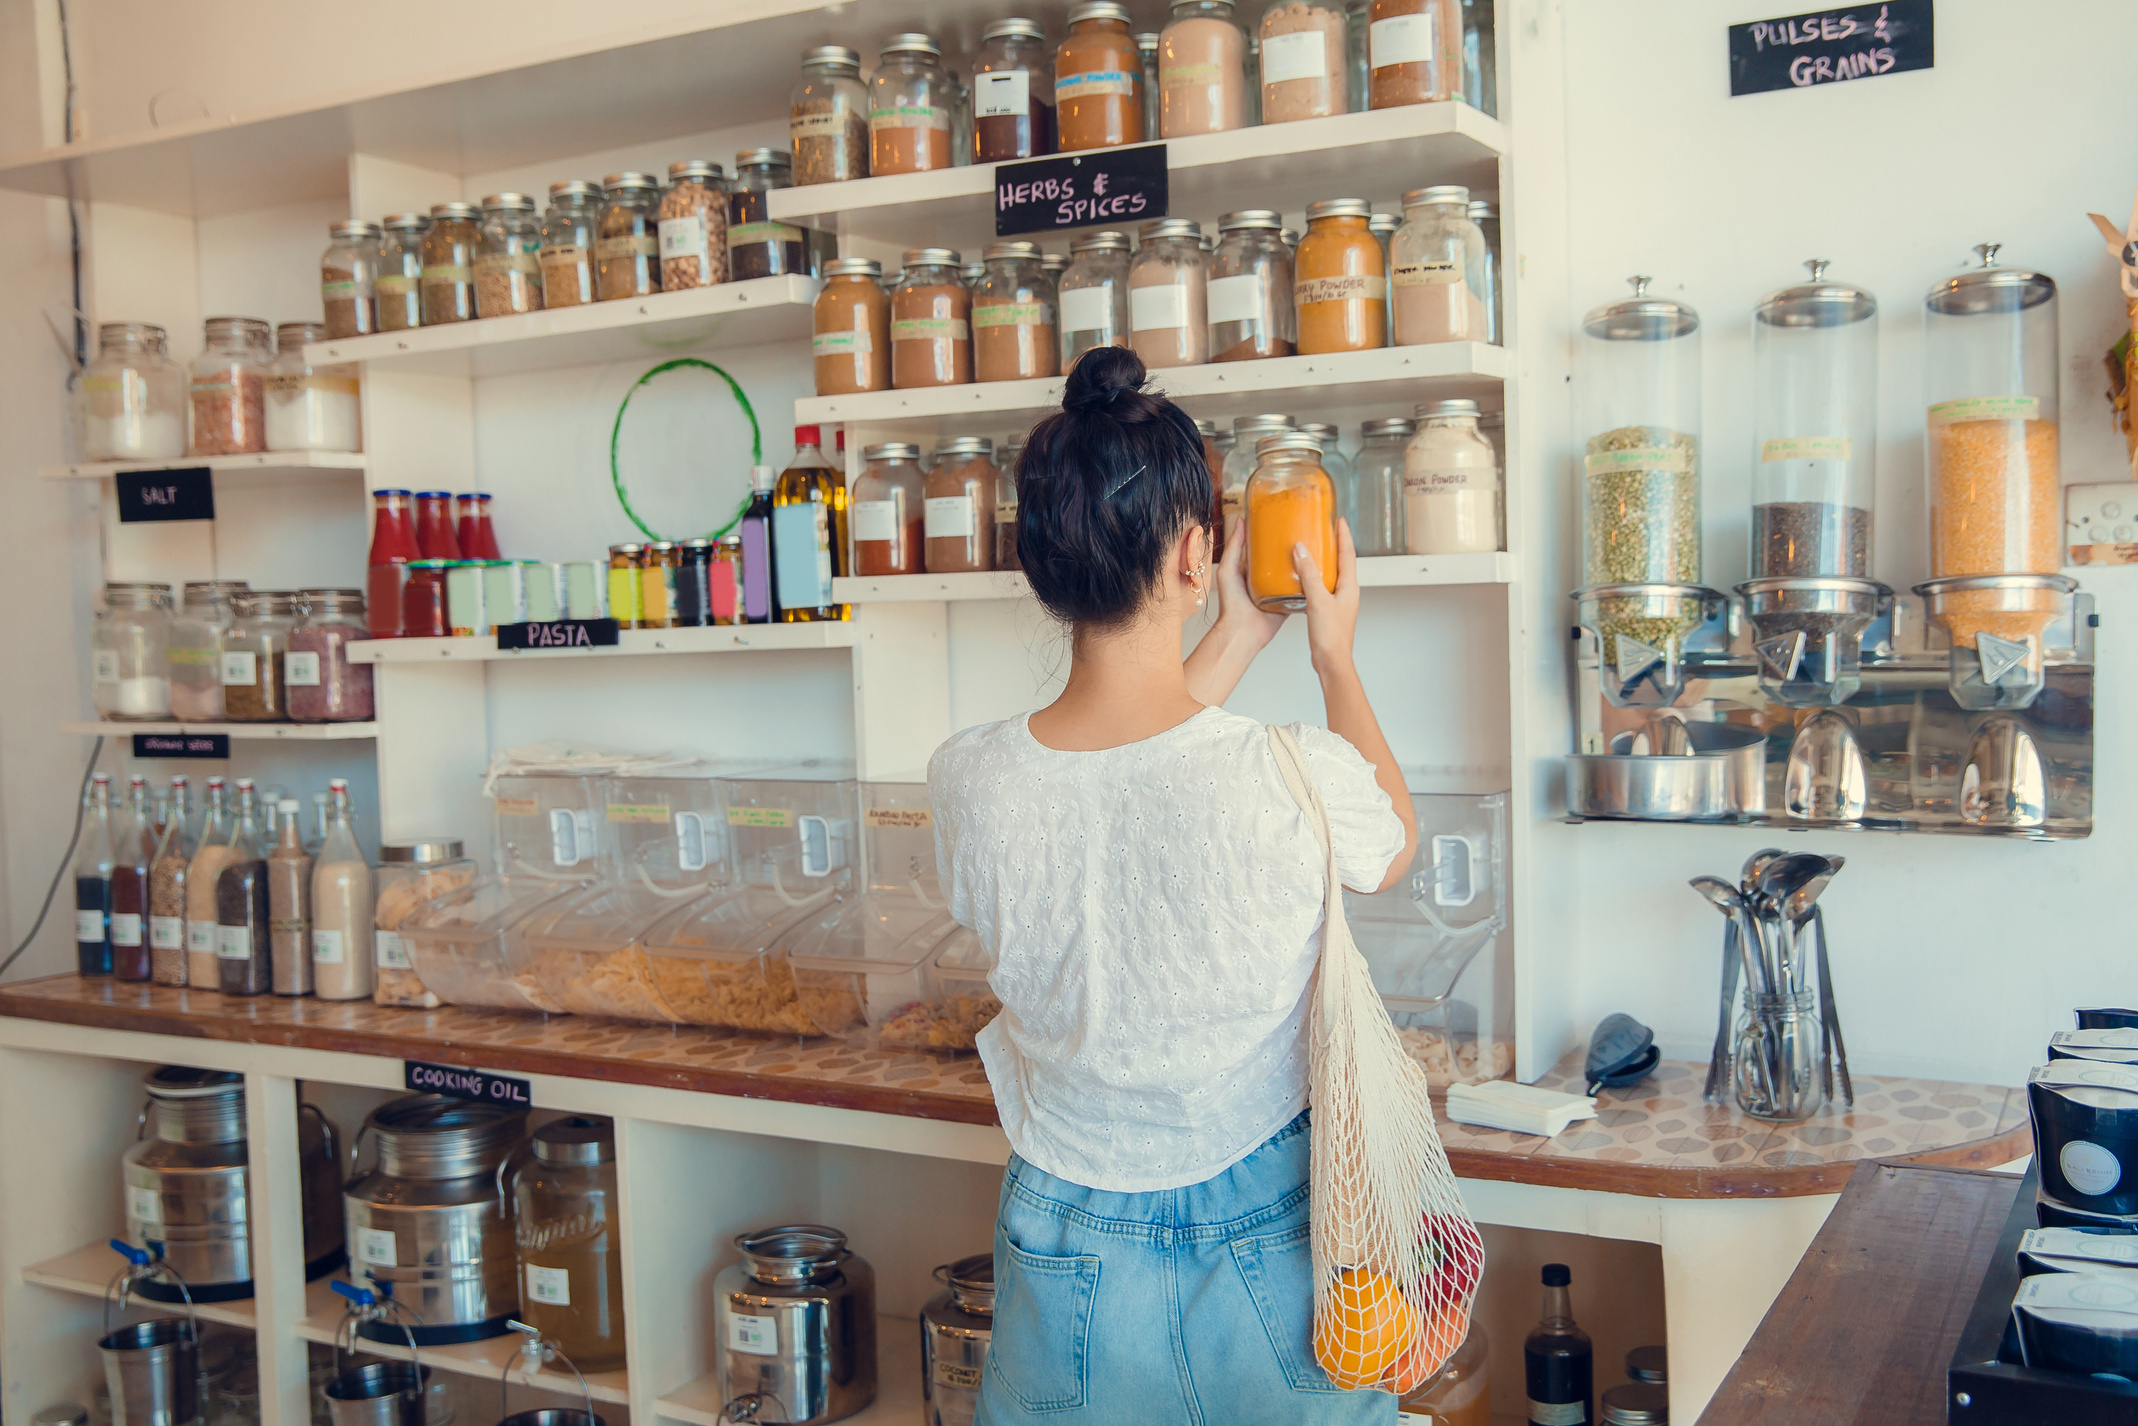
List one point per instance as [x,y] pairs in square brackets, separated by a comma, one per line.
[553,1416]
[152,1369]
[378,1394]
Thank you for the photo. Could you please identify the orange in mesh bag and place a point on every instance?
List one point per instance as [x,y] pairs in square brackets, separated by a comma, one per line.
[1396,1257]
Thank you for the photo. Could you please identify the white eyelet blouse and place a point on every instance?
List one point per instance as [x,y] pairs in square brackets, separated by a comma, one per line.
[1154,912]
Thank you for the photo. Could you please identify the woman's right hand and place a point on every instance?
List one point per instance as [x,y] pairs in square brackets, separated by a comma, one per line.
[1332,618]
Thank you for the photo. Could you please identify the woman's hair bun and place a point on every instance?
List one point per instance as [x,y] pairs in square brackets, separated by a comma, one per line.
[1099,376]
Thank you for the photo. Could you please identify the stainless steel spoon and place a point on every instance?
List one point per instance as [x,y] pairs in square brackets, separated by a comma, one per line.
[1724,898]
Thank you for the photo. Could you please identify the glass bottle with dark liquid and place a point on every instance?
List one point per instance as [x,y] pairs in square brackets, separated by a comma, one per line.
[1558,1360]
[92,882]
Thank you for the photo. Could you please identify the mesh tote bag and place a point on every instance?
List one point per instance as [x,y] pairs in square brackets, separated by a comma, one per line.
[1396,1257]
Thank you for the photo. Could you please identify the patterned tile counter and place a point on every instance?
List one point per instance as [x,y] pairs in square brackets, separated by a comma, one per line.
[1653,1139]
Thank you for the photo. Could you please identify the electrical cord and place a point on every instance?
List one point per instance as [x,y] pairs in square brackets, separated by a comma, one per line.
[66,858]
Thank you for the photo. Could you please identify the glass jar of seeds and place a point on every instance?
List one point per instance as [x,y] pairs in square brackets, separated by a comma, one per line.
[400,280]
[508,263]
[1815,429]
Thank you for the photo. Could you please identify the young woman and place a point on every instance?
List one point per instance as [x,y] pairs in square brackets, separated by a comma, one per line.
[1153,898]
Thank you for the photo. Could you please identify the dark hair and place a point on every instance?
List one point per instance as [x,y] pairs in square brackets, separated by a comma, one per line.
[1104,488]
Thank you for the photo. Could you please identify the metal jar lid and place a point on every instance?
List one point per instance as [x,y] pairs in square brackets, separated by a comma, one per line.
[508,203]
[980,446]
[455,212]
[1990,288]
[331,601]
[892,450]
[181,1082]
[1208,428]
[1288,441]
[1383,225]
[1483,210]
[1170,228]
[1251,218]
[928,257]
[1817,303]
[352,228]
[700,168]
[574,188]
[854,267]
[297,334]
[435,1137]
[1321,431]
[795,1253]
[1108,241]
[1641,318]
[1263,424]
[1459,406]
[1053,264]
[579,1139]
[274,603]
[1098,10]
[421,851]
[913,42]
[406,222]
[778,158]
[971,1282]
[832,55]
[1636,1404]
[1016,249]
[1437,193]
[1649,1364]
[1339,208]
[1013,29]
[629,179]
[1148,42]
[1387,426]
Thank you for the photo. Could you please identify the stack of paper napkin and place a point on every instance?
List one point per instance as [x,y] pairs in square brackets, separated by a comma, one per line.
[1521,1108]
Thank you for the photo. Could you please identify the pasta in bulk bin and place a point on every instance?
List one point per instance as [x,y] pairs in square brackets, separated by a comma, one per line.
[410,874]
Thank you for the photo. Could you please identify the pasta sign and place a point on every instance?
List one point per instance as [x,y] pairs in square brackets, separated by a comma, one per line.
[1829,46]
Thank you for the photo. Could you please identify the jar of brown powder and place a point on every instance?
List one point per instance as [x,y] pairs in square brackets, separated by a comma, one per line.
[1414,52]
[1013,93]
[508,266]
[960,506]
[1250,290]
[627,244]
[1202,70]
[911,99]
[568,234]
[1093,306]
[253,655]
[1168,308]
[693,226]
[229,387]
[449,251]
[828,117]
[851,329]
[400,281]
[1098,87]
[931,335]
[1339,285]
[1304,69]
[1013,327]
[886,514]
[348,279]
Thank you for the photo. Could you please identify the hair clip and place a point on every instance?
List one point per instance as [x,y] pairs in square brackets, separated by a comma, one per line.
[1118,486]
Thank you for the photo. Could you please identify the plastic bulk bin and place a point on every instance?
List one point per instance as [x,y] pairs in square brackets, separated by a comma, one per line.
[466,948]
[548,827]
[955,1008]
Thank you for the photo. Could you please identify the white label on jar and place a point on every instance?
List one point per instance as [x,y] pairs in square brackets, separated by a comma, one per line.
[393,952]
[167,933]
[376,1246]
[144,1205]
[909,116]
[1094,84]
[552,1287]
[240,670]
[200,937]
[1986,408]
[683,237]
[1012,314]
[817,126]
[125,928]
[759,1336]
[89,926]
[1401,39]
[1006,510]
[1670,462]
[300,670]
[1302,54]
[1310,290]
[1236,299]
[233,943]
[837,344]
[1157,309]
[929,329]
[104,665]
[326,947]
[1087,309]
[2089,1168]
[949,517]
[1440,272]
[1556,1413]
[1432,480]
[874,520]
[1806,448]
[1003,94]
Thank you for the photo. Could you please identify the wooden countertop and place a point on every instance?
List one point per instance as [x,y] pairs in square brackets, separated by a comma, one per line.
[1656,1139]
[1865,1330]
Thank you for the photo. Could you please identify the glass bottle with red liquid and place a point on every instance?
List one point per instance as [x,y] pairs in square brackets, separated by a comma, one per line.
[436,535]
[393,545]
[478,539]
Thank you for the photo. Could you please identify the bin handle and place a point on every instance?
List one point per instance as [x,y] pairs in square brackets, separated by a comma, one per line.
[535,1350]
[146,1263]
[374,1304]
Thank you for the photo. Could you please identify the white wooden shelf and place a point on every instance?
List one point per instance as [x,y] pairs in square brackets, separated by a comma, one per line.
[1398,376]
[1375,572]
[271,463]
[898,1384]
[88,1271]
[731,314]
[323,1310]
[274,732]
[1378,155]
[1394,571]
[830,634]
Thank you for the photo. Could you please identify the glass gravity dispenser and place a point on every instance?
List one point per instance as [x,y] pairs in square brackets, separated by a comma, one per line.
[1815,434]
[1996,518]
[1640,514]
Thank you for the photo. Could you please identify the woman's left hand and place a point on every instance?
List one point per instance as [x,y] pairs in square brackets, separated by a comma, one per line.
[1235,606]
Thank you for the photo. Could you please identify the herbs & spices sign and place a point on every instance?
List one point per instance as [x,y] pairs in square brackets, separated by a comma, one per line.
[1829,46]
[1117,186]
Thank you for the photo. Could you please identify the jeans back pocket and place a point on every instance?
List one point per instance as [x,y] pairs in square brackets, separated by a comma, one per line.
[1042,1337]
[1279,1271]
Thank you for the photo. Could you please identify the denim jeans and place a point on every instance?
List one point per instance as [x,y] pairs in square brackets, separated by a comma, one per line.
[1181,1307]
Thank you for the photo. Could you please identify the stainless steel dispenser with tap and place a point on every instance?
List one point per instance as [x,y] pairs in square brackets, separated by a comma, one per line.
[956,1325]
[794,1324]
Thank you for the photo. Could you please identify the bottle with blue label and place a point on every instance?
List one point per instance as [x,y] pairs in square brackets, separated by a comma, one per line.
[808,532]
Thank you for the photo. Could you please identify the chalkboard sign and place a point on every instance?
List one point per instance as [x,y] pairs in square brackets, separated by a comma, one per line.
[146,495]
[1087,190]
[1829,46]
[558,634]
[457,1083]
[182,745]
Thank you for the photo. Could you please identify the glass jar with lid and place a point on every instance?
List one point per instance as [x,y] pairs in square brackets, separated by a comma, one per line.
[410,874]
[1303,54]
[570,228]
[1640,400]
[571,1259]
[1339,468]
[757,246]
[324,687]
[1357,23]
[972,274]
[850,329]
[1168,302]
[1006,505]
[1147,82]
[1339,283]
[627,245]
[133,396]
[349,279]
[1486,214]
[1814,429]
[1290,501]
[888,513]
[1383,226]
[931,312]
[1214,459]
[1246,432]
[311,408]
[1013,93]
[1202,70]
[196,649]
[400,283]
[828,117]
[1013,316]
[911,98]
[694,226]
[1093,297]
[1250,289]
[1098,80]
[1376,507]
[508,259]
[959,496]
[449,252]
[1451,484]
[229,387]
[129,659]
[1414,52]
[254,648]
[1441,270]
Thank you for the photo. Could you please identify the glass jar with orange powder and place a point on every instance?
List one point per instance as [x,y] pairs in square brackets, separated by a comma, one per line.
[1290,501]
[1340,280]
[1098,80]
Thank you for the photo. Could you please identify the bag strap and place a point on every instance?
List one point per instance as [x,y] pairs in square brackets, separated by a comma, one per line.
[1299,780]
